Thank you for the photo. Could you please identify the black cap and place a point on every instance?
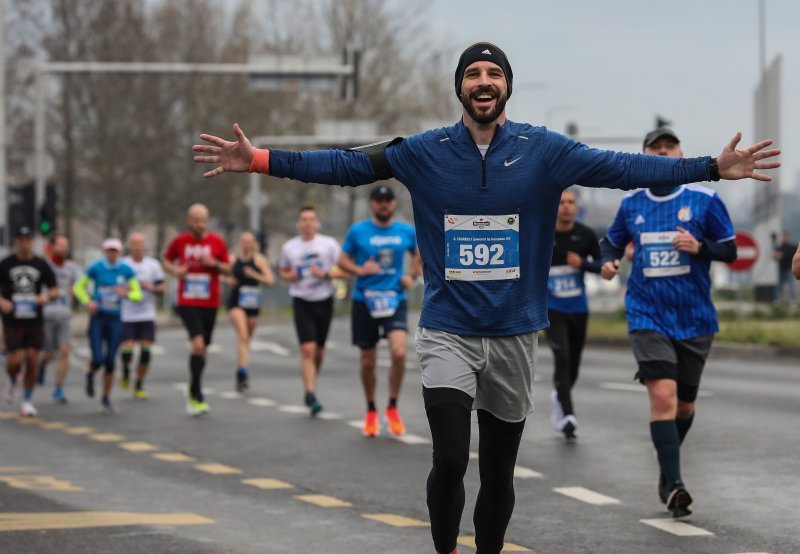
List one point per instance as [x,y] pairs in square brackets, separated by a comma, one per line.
[381,193]
[656,134]
[24,231]
[483,51]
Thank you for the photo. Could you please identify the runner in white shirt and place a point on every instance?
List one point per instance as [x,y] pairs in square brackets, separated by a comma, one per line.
[139,318]
[308,262]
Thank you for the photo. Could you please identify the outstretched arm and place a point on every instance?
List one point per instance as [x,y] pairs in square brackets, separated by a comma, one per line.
[330,167]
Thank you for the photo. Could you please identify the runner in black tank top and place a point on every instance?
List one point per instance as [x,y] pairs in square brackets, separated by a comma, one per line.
[250,271]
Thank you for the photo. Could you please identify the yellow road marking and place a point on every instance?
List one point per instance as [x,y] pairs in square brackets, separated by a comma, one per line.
[8,415]
[39,483]
[138,446]
[78,520]
[29,420]
[396,521]
[78,430]
[217,469]
[507,546]
[53,425]
[18,469]
[106,437]
[267,484]
[172,457]
[323,501]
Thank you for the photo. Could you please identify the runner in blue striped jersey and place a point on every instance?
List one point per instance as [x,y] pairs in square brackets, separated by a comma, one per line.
[677,232]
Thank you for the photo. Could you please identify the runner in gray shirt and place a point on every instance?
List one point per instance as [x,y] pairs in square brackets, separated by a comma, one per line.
[58,316]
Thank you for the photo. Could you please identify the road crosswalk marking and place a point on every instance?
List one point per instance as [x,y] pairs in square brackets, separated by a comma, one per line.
[218,469]
[267,483]
[396,520]
[324,501]
[40,521]
[586,495]
[678,528]
[261,402]
[526,473]
[293,409]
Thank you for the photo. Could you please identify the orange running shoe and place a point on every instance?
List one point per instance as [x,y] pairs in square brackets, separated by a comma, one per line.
[371,428]
[396,425]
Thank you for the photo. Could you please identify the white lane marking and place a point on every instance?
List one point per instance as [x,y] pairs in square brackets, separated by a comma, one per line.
[230,395]
[678,528]
[526,473]
[586,495]
[330,345]
[213,348]
[356,423]
[473,455]
[330,416]
[291,409]
[411,439]
[270,346]
[183,387]
[179,386]
[263,402]
[635,387]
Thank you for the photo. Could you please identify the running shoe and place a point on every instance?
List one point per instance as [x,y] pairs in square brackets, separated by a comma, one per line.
[242,384]
[557,414]
[140,394]
[27,409]
[313,404]
[394,421]
[105,405]
[568,425]
[90,384]
[679,502]
[124,382]
[196,407]
[10,393]
[663,488]
[371,427]
[59,396]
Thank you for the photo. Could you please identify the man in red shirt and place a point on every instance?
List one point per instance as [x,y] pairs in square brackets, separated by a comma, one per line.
[197,257]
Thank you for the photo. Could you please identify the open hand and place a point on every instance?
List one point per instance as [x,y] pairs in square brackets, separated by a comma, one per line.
[231,156]
[741,164]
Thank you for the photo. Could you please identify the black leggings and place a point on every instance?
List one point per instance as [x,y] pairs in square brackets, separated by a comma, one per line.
[499,443]
[566,336]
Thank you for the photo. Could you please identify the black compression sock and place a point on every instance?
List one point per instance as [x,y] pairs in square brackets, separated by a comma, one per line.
[393,402]
[371,406]
[196,365]
[668,446]
[683,426]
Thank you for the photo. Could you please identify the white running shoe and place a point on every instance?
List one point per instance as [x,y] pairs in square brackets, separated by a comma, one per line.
[27,409]
[10,392]
[557,415]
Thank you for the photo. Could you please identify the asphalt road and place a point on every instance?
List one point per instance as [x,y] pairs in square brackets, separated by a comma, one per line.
[259,475]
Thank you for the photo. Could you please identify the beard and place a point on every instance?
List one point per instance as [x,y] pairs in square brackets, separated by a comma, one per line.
[484,118]
[383,217]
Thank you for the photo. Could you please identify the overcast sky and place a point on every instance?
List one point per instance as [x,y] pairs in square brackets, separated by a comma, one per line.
[612,66]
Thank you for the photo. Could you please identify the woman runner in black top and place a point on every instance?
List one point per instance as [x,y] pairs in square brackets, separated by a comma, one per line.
[250,271]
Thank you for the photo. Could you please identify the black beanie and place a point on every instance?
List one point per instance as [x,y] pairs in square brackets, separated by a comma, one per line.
[483,51]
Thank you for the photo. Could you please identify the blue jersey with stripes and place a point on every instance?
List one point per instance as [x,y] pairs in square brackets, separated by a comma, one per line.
[670,291]
[385,245]
[485,224]
[106,278]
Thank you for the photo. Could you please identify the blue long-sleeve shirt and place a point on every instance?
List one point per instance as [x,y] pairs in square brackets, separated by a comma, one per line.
[488,220]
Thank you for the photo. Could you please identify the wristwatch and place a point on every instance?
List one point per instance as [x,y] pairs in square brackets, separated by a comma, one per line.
[713,169]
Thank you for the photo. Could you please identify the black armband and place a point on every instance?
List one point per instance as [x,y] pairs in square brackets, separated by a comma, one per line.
[718,251]
[713,170]
[609,252]
[377,157]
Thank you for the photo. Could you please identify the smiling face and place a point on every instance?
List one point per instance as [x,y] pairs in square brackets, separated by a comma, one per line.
[484,92]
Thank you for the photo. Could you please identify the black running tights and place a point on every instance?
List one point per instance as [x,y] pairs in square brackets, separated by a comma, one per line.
[499,443]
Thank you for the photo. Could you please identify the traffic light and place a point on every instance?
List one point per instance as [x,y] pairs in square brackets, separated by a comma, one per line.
[47,211]
[21,207]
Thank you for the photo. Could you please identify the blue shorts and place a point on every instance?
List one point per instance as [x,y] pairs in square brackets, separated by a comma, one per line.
[367,330]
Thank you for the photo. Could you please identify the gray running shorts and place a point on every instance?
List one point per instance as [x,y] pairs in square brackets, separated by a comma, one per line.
[497,372]
[56,332]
